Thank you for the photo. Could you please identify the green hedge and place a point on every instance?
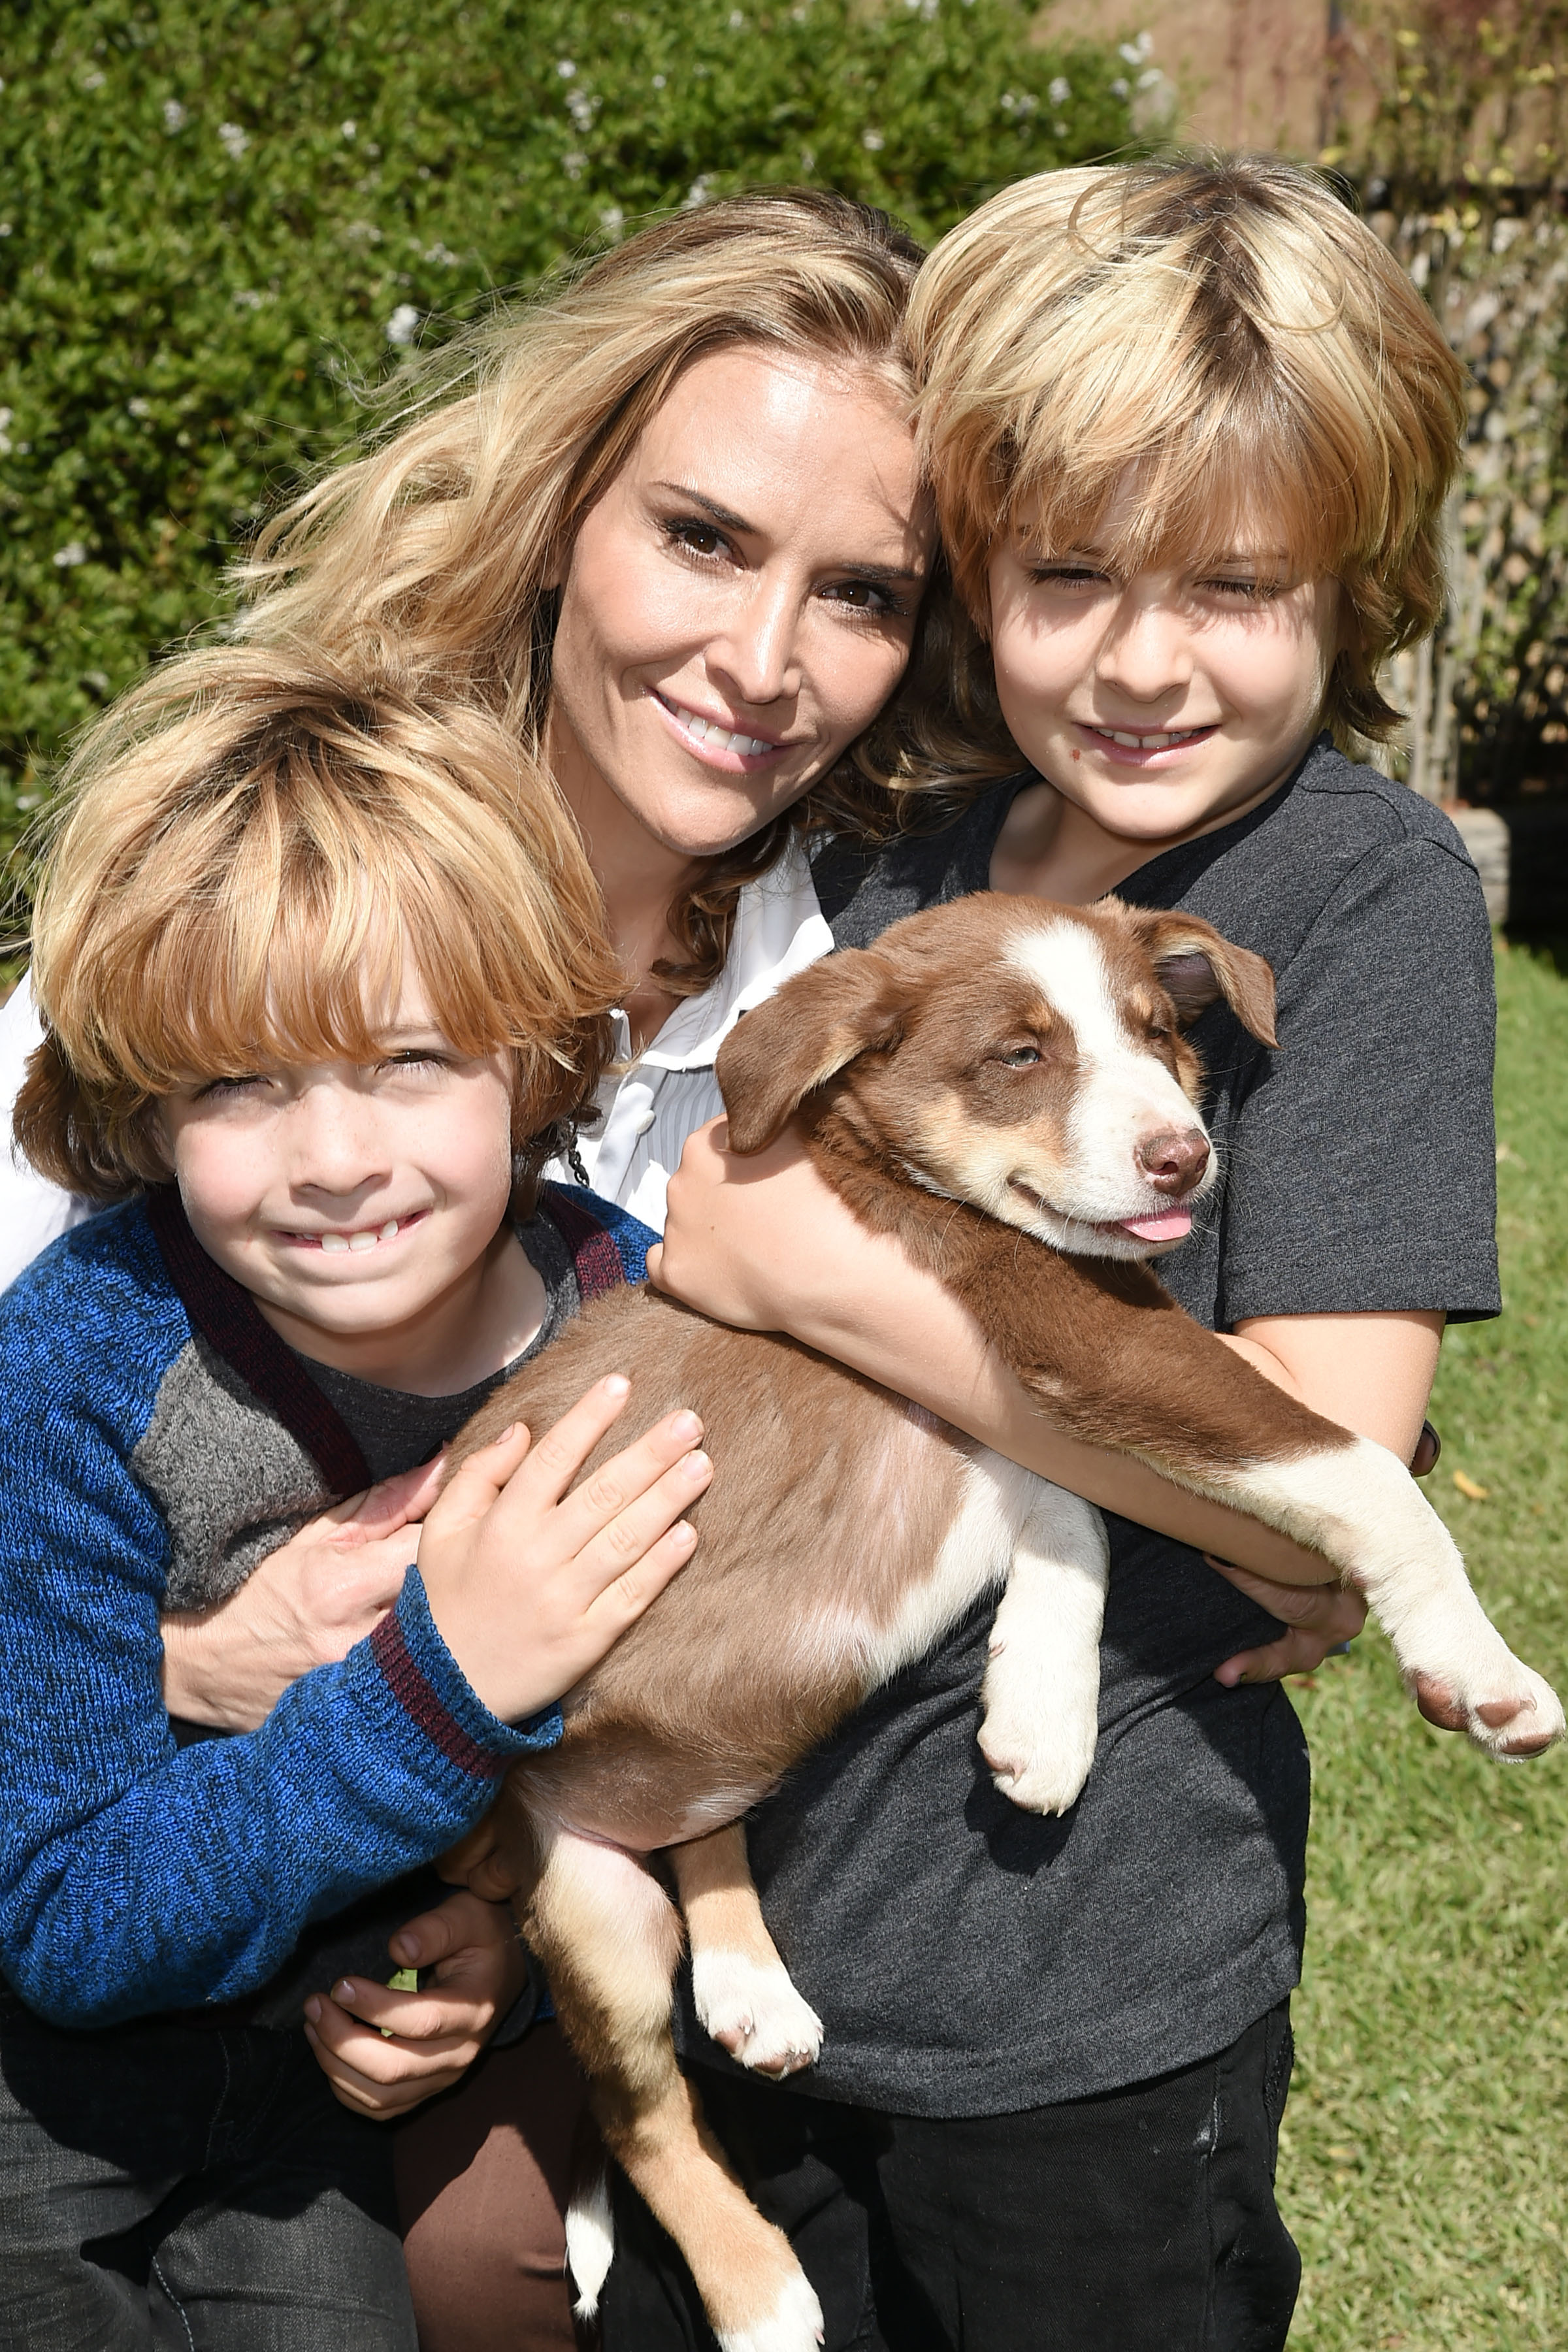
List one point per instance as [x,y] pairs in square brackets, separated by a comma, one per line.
[217,219]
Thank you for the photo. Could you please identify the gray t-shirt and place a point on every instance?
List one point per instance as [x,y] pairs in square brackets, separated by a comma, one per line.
[966,1957]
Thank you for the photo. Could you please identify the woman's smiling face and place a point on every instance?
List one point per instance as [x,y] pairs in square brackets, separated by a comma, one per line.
[739,603]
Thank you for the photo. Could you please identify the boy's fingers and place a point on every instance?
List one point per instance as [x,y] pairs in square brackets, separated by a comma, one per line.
[618,1549]
[473,1486]
[460,1924]
[632,1497]
[559,1454]
[626,1596]
[430,2021]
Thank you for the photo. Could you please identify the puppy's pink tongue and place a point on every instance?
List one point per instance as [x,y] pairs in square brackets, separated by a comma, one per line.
[1168,1226]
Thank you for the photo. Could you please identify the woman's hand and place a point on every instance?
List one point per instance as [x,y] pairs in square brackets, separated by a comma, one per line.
[434,2035]
[530,1583]
[305,1606]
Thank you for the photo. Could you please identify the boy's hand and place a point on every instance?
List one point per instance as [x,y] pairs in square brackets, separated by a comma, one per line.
[529,1584]
[437,2034]
[305,1606]
[1321,1619]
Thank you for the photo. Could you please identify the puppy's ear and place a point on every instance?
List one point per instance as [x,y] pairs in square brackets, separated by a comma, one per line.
[819,1022]
[1196,964]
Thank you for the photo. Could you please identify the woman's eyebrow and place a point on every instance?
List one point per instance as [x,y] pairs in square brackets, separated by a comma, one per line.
[724,515]
[878,574]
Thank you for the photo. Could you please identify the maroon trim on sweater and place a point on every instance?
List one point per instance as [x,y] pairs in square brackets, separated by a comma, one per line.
[230,1322]
[424,1709]
[595,1260]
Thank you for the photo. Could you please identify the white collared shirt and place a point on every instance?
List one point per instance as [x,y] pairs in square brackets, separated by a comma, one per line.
[647,1111]
[655,1101]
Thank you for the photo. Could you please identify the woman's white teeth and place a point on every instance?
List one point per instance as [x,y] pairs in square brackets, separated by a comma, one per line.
[360,1241]
[723,738]
[1150,742]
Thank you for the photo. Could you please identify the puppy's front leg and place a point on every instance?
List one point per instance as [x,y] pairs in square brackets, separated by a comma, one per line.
[743,1989]
[1041,1695]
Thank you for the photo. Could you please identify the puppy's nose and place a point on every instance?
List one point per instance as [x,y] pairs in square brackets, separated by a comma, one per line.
[1175,1163]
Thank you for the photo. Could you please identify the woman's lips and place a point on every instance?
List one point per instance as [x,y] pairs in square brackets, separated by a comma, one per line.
[716,745]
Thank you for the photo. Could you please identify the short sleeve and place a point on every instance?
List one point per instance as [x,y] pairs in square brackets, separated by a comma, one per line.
[1362,1167]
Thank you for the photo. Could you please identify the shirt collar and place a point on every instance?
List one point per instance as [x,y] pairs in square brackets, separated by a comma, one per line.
[779,929]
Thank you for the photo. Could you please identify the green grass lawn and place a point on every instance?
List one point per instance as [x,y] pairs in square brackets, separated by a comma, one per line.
[1424,2162]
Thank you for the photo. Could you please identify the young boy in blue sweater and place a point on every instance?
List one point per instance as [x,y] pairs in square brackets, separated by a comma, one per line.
[322,987]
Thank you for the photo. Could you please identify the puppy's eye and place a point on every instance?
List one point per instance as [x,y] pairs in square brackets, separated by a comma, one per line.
[1158,1033]
[1018,1057]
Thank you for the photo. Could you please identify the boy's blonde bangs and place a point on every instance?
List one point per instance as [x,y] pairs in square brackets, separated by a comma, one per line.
[249,848]
[1199,357]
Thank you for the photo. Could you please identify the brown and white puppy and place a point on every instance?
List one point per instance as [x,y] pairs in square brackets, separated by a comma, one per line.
[1006,1086]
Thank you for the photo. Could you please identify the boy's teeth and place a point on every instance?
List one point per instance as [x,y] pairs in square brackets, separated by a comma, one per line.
[362,1240]
[1148,742]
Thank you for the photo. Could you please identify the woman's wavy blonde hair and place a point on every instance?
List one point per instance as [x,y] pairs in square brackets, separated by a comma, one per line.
[430,555]
[244,851]
[1227,337]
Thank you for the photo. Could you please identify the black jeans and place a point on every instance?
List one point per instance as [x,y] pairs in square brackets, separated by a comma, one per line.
[189,2186]
[1139,2221]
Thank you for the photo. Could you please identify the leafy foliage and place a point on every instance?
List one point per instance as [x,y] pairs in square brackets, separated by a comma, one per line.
[219,220]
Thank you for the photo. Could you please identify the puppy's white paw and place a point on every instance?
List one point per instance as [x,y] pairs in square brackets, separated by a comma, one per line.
[1505,1706]
[752,2010]
[793,2325]
[1039,1743]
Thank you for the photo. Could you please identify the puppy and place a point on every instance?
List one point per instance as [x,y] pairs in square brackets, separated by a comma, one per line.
[1006,1086]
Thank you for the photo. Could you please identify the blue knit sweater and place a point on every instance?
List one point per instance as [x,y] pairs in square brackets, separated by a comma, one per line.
[136,1876]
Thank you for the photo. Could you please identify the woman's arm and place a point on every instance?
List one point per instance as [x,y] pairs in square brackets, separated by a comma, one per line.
[764,1244]
[305,1606]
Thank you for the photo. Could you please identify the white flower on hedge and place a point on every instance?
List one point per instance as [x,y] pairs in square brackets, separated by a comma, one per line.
[72,553]
[873,140]
[737,18]
[138,407]
[441,253]
[1134,52]
[658,81]
[696,193]
[1060,90]
[402,325]
[173,115]
[612,220]
[94,81]
[232,139]
[572,164]
[5,436]
[4,228]
[565,68]
[1119,88]
[348,129]
[582,108]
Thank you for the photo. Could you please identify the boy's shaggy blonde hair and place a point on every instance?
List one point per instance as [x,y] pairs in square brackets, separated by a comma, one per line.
[434,554]
[247,847]
[1227,338]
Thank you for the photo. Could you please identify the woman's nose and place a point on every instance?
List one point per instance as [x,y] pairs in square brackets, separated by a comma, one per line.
[759,654]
